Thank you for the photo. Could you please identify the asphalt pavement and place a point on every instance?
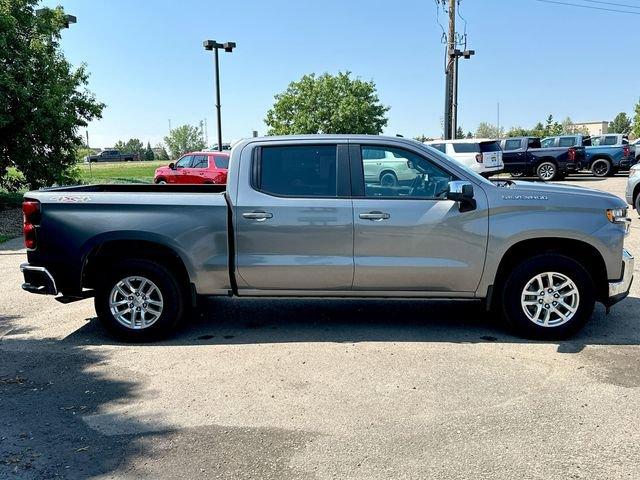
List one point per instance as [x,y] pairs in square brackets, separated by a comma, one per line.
[315,389]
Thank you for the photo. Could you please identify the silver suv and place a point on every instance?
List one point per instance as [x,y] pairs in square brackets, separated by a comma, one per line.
[633,187]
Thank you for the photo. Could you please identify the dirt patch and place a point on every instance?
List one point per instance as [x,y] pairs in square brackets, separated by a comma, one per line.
[10,222]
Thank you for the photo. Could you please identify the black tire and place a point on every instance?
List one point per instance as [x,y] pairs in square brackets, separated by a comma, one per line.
[547,171]
[173,298]
[637,203]
[526,271]
[561,176]
[517,174]
[388,179]
[601,167]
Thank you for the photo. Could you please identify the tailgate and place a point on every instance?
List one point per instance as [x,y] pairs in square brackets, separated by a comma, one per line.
[491,153]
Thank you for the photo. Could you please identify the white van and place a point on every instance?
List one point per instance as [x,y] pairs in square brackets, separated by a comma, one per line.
[482,155]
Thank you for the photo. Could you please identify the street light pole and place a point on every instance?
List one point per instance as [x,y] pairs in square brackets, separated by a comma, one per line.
[215,46]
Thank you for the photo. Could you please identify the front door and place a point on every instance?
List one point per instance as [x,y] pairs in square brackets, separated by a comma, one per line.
[181,169]
[294,223]
[514,155]
[409,237]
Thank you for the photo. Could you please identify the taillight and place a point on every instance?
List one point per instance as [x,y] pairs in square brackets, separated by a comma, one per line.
[571,154]
[479,158]
[31,218]
[625,150]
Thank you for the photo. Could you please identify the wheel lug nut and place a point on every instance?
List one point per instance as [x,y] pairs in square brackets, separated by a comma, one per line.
[556,296]
[144,305]
[131,305]
[130,297]
[138,309]
[540,301]
[550,290]
[542,294]
[555,303]
[546,305]
[137,294]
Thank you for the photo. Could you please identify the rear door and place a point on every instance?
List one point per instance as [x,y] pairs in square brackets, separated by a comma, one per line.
[294,222]
[197,172]
[409,237]
[514,155]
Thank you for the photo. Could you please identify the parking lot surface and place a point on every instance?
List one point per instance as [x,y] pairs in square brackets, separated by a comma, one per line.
[312,389]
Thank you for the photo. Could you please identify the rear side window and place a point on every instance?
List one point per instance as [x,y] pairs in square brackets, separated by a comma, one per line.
[439,146]
[610,140]
[489,147]
[465,147]
[221,161]
[547,142]
[298,171]
[567,141]
[199,161]
[512,145]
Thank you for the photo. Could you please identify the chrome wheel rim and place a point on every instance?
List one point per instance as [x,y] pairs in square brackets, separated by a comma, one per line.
[547,171]
[136,302]
[550,299]
[388,180]
[600,168]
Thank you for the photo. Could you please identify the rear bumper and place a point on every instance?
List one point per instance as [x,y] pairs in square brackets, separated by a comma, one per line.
[620,289]
[38,280]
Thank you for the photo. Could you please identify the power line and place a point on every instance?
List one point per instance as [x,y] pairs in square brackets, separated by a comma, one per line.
[587,6]
[614,4]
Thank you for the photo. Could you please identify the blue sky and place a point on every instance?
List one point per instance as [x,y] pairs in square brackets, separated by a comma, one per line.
[148,65]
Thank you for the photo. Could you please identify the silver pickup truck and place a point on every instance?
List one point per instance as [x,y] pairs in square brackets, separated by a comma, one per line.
[299,217]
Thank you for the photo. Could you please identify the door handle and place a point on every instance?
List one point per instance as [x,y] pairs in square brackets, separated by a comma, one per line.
[375,216]
[258,216]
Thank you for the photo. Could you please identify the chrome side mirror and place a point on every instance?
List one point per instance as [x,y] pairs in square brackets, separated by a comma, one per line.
[460,191]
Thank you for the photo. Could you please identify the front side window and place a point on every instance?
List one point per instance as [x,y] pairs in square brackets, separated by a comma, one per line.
[567,141]
[200,161]
[394,172]
[298,171]
[547,142]
[512,145]
[534,143]
[184,162]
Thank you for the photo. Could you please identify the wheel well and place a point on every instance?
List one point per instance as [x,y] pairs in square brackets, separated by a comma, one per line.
[109,252]
[602,157]
[546,159]
[160,179]
[587,255]
[388,171]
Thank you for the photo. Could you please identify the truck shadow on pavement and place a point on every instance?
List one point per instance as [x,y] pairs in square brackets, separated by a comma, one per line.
[228,321]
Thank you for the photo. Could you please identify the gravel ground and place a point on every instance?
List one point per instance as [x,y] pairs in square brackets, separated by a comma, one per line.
[317,389]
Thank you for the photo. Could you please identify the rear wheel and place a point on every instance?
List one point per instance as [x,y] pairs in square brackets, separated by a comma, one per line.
[601,167]
[637,203]
[549,296]
[546,171]
[388,179]
[139,300]
[517,174]
[161,182]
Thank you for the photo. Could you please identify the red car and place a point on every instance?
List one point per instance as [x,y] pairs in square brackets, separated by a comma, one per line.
[195,167]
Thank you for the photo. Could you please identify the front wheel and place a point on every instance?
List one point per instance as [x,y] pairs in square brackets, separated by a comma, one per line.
[637,203]
[546,171]
[548,296]
[388,179]
[601,168]
[517,174]
[139,300]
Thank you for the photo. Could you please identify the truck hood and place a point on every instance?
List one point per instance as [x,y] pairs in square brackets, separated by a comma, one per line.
[546,189]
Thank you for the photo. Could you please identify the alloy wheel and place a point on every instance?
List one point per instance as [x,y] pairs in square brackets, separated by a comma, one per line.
[136,302]
[550,299]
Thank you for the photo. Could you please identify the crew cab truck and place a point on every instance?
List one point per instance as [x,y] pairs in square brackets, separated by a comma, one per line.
[605,155]
[111,156]
[524,156]
[299,217]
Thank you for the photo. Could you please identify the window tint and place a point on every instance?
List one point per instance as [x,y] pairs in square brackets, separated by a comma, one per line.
[610,140]
[534,143]
[399,173]
[489,146]
[439,146]
[465,147]
[567,141]
[184,162]
[512,145]
[301,171]
[200,161]
[547,142]
[221,161]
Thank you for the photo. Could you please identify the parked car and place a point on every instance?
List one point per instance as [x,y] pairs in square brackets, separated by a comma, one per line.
[633,187]
[298,218]
[481,155]
[112,156]
[635,149]
[195,167]
[525,156]
[605,156]
[386,167]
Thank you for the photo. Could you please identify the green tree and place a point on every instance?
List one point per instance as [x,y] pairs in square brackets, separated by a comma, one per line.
[148,153]
[487,130]
[459,133]
[552,128]
[469,135]
[636,120]
[134,145]
[422,138]
[518,132]
[161,152]
[43,99]
[621,124]
[185,138]
[327,104]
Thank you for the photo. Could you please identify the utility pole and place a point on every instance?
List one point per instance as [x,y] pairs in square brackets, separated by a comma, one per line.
[498,120]
[451,72]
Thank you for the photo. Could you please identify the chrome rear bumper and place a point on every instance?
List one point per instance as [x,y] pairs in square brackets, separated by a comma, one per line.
[38,280]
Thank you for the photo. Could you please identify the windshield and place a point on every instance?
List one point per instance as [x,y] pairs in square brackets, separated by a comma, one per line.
[467,170]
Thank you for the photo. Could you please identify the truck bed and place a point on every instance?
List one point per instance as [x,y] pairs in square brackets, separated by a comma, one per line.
[140,187]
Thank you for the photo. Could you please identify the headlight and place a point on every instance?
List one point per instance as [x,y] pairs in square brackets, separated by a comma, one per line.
[619,215]
[635,171]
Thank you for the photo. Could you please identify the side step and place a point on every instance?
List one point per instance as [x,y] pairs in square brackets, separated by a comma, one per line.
[74,298]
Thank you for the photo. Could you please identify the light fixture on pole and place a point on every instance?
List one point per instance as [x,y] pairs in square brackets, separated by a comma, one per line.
[215,46]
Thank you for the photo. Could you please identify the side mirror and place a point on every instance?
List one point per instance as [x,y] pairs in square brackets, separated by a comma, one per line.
[460,191]
[172,166]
